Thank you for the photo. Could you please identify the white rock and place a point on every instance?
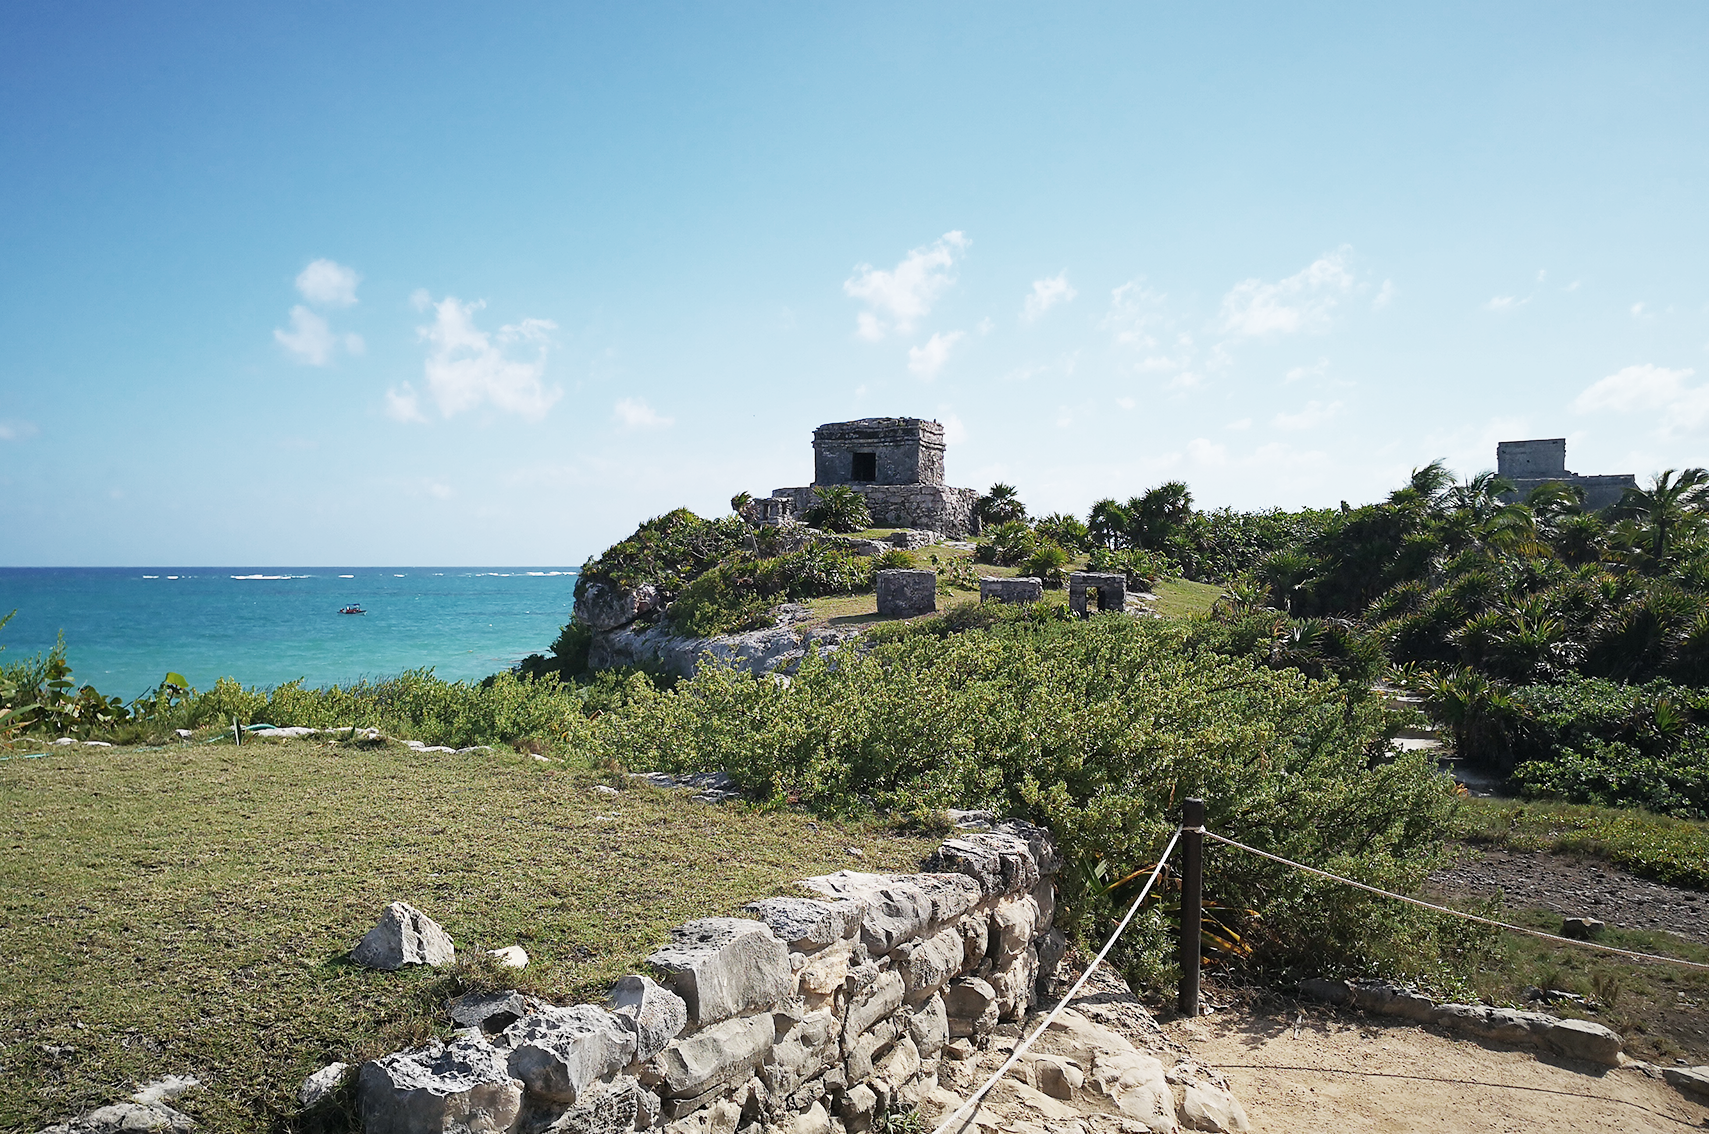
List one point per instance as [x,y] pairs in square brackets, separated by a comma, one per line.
[559,1051]
[723,967]
[463,1087]
[97,744]
[183,733]
[723,1053]
[511,956]
[1208,1107]
[319,1086]
[66,740]
[404,936]
[655,1015]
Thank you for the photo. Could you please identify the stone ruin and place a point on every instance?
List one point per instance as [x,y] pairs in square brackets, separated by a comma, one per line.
[816,1013]
[906,592]
[1107,590]
[1020,589]
[1530,464]
[895,463]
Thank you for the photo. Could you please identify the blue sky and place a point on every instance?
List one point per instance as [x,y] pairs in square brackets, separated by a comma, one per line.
[428,284]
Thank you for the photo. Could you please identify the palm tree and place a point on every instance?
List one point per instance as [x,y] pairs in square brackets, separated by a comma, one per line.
[1002,505]
[1667,509]
[1108,522]
[1153,517]
[1426,486]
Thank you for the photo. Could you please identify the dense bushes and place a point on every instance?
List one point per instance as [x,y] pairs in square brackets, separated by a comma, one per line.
[1097,729]
[839,509]
[667,552]
[736,594]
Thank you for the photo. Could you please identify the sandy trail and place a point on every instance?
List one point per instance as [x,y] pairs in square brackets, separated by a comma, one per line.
[1343,1072]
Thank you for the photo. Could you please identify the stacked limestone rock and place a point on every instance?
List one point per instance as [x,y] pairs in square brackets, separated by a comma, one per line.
[819,1013]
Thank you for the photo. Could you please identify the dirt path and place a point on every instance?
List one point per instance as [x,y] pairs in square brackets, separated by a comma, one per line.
[1344,1073]
[1573,887]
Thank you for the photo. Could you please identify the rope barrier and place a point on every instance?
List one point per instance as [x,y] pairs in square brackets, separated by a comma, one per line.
[1447,910]
[1024,1047]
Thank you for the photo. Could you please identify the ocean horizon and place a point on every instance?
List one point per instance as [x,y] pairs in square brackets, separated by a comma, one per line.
[127,627]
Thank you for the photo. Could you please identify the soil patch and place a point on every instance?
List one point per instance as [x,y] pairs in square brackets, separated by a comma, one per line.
[1313,1069]
[1573,887]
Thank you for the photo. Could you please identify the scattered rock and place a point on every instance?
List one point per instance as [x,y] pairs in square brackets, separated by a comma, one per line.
[319,1087]
[125,1118]
[1581,928]
[511,956]
[604,789]
[183,733]
[808,924]
[450,1088]
[404,936]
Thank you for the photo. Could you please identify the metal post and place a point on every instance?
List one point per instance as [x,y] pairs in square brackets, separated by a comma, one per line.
[1192,900]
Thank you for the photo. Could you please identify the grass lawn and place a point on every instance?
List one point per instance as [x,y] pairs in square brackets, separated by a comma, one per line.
[1656,846]
[1179,598]
[188,911]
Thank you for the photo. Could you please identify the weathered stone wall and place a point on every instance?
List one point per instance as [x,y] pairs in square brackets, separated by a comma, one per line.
[1110,588]
[1531,464]
[905,450]
[818,1012]
[1025,588]
[904,593]
[937,507]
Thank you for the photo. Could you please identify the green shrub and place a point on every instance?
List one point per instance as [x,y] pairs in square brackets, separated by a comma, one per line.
[1049,562]
[1143,568]
[896,559]
[1005,544]
[1616,774]
[737,594]
[666,551]
[1098,730]
[1065,530]
[838,508]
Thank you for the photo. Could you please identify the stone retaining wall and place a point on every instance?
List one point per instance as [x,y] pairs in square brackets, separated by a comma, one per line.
[817,1013]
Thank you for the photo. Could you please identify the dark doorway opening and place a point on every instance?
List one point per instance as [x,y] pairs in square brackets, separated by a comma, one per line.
[865,467]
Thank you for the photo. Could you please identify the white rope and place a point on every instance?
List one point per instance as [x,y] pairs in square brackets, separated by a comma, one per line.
[1072,993]
[1454,912]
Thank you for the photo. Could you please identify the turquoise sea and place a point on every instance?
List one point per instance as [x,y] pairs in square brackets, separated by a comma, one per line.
[126,627]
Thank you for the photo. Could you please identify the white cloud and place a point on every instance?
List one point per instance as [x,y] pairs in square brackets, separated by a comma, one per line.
[16,430]
[1649,389]
[927,360]
[1126,403]
[467,366]
[309,338]
[1302,302]
[437,489]
[1501,304]
[1185,380]
[1385,296]
[635,413]
[1047,293]
[1204,452]
[1641,311]
[1136,315]
[1542,274]
[1311,416]
[326,283]
[402,405]
[1316,370]
[954,431]
[1243,423]
[906,294]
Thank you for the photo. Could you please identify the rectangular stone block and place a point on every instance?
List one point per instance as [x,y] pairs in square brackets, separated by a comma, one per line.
[904,593]
[723,967]
[1026,588]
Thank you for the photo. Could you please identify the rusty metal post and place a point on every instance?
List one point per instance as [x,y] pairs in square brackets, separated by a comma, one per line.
[1192,900]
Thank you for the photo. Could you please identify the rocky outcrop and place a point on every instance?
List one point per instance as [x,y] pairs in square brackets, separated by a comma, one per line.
[656,647]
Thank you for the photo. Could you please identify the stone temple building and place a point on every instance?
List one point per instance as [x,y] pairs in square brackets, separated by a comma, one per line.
[896,463]
[1531,463]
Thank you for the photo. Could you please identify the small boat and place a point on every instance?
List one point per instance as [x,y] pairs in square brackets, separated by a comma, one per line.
[352,609]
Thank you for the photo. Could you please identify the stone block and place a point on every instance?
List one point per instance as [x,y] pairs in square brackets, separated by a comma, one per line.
[604,1108]
[874,1003]
[896,909]
[932,963]
[404,936]
[1023,589]
[559,1051]
[806,1049]
[1052,946]
[807,924]
[723,967]
[721,1054]
[866,1049]
[999,863]
[653,1015]
[1581,1039]
[928,1027]
[464,1087]
[492,1012]
[319,1087]
[905,593]
[1209,1107]
[1692,1081]
[971,1005]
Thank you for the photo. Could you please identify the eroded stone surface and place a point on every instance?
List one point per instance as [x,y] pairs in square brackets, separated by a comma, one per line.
[653,1014]
[463,1087]
[557,1052]
[724,966]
